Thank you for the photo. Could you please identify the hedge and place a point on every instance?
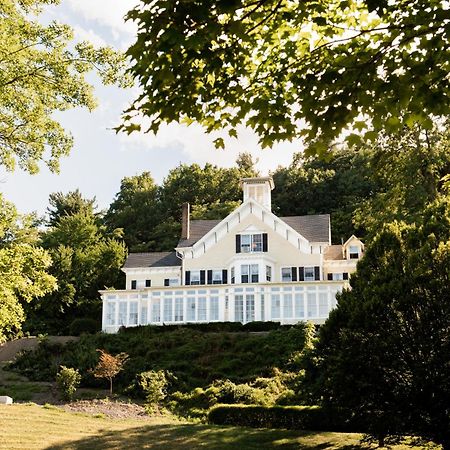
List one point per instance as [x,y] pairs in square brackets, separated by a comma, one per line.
[312,418]
[212,327]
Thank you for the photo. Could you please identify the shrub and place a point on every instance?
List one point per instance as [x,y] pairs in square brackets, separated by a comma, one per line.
[68,380]
[154,385]
[311,418]
[83,325]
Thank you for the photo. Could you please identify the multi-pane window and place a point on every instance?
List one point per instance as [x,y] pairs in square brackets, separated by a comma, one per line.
[156,311]
[144,315]
[337,276]
[309,274]
[312,305]
[111,314]
[249,273]
[275,306]
[201,308]
[299,306]
[167,310]
[239,308]
[133,284]
[217,277]
[323,304]
[122,313]
[195,276]
[178,309]
[251,243]
[353,252]
[190,309]
[268,273]
[214,308]
[250,308]
[286,274]
[287,306]
[232,275]
[133,314]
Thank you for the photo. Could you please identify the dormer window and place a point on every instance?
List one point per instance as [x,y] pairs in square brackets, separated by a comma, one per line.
[353,252]
[251,243]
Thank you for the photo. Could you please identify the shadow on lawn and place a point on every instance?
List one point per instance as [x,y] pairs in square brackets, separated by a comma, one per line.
[177,437]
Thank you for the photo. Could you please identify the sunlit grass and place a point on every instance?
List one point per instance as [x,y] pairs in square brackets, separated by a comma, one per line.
[30,427]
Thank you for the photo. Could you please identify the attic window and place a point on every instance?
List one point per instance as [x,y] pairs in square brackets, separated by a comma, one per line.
[250,243]
[257,192]
[353,252]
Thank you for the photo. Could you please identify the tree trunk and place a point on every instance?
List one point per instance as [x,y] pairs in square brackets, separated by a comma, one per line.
[110,386]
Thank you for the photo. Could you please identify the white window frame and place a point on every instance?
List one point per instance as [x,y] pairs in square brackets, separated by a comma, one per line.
[288,271]
[253,243]
[268,273]
[354,250]
[311,275]
[217,277]
[174,281]
[250,271]
[195,280]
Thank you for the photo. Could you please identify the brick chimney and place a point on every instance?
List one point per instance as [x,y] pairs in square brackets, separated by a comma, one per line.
[185,221]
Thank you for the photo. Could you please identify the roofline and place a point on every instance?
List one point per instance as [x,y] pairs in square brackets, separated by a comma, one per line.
[236,211]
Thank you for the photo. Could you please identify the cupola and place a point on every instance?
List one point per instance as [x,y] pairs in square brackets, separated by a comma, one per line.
[258,189]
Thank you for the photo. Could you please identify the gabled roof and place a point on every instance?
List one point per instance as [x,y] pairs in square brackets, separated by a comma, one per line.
[198,228]
[314,228]
[334,253]
[156,259]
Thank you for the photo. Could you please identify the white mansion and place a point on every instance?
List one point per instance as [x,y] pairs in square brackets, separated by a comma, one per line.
[250,266]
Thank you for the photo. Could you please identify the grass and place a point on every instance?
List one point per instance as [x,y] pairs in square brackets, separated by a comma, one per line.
[31,427]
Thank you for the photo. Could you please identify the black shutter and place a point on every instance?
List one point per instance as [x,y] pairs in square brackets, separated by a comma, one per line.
[330,276]
[148,283]
[294,273]
[187,277]
[133,284]
[301,274]
[345,276]
[224,276]
[316,273]
[265,246]
[202,277]
[209,276]
[238,243]
[166,282]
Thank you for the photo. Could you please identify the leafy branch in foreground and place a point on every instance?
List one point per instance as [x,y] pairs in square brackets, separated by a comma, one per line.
[273,65]
[42,72]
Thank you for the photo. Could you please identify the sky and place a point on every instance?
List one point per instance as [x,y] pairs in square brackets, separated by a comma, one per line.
[100,158]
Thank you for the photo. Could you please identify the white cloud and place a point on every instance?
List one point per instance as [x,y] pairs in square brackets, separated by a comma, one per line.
[81,34]
[198,146]
[107,13]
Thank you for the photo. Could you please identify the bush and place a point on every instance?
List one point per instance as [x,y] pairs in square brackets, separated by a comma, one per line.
[83,325]
[68,380]
[311,418]
[154,385]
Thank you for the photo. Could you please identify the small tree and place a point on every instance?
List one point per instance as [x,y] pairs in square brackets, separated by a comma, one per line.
[68,380]
[109,366]
[154,384]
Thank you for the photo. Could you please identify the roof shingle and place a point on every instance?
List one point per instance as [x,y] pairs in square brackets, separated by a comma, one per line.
[155,259]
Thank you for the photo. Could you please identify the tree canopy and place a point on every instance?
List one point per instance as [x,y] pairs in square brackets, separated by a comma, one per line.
[86,257]
[384,351]
[42,72]
[291,69]
[23,269]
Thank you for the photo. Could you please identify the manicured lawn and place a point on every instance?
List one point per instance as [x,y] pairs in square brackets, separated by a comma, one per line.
[29,427]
